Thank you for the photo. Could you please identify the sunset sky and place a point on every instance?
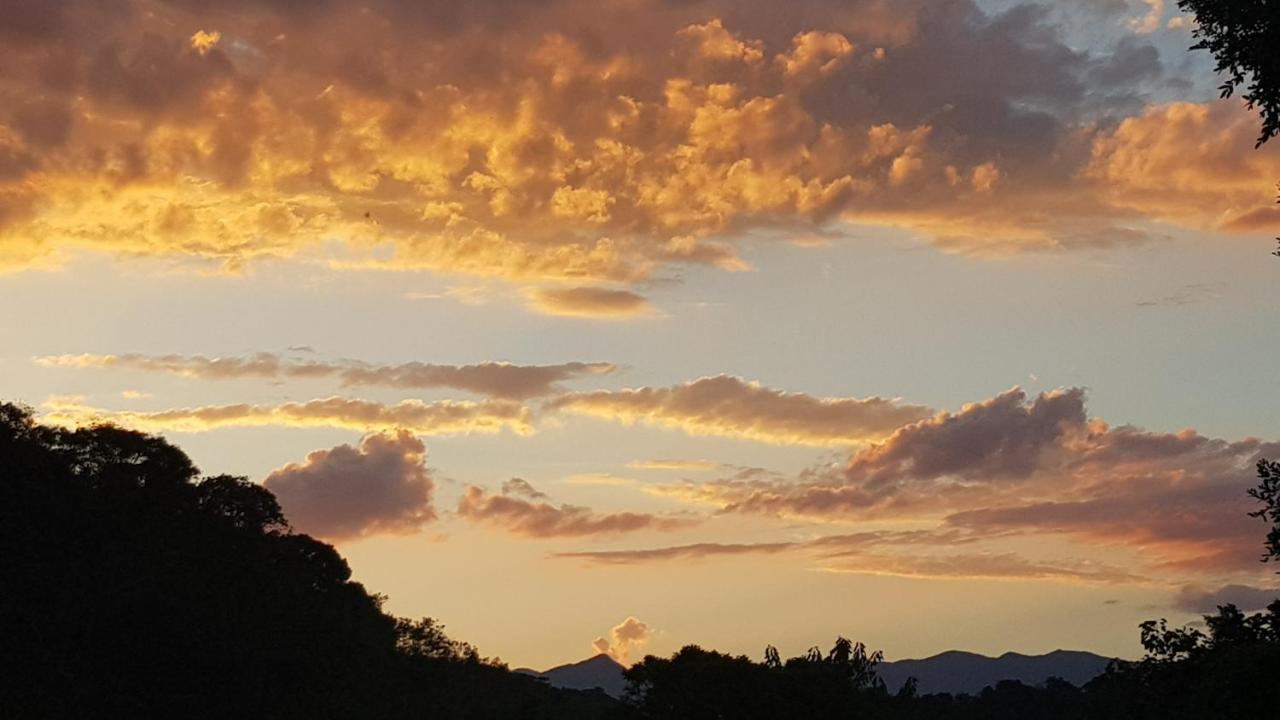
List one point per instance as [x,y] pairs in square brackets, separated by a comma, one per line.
[938,324]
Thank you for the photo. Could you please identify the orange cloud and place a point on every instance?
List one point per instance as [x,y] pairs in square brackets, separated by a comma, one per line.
[692,465]
[572,141]
[1191,164]
[624,638]
[731,407]
[589,302]
[1007,566]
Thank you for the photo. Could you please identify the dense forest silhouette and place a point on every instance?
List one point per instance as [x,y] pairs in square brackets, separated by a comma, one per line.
[133,587]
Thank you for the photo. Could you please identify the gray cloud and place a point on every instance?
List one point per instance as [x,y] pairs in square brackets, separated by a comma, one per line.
[494,379]
[381,486]
[517,512]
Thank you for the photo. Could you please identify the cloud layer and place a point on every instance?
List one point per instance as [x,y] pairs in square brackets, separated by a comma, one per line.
[1014,466]
[583,142]
[493,379]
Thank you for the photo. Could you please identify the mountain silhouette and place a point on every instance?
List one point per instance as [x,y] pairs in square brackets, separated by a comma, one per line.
[958,672]
[601,672]
[954,671]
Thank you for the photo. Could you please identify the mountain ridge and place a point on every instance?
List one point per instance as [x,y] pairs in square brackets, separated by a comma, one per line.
[950,671]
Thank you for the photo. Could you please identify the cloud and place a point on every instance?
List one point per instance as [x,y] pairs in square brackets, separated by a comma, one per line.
[438,418]
[570,141]
[731,407]
[380,487]
[1194,599]
[826,547]
[493,379]
[678,552]
[589,302]
[896,553]
[1006,566]
[1150,22]
[624,638]
[520,486]
[514,513]
[1188,294]
[1191,164]
[1011,466]
[690,465]
[601,479]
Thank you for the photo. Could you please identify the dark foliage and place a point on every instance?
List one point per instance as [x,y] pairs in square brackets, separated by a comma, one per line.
[1268,493]
[134,589]
[1243,36]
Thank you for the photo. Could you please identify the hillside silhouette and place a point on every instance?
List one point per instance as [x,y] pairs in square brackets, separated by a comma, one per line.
[137,588]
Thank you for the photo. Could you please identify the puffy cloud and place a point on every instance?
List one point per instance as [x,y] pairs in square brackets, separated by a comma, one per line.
[731,407]
[517,512]
[624,638]
[1194,599]
[589,302]
[570,140]
[381,486]
[1011,466]
[1191,164]
[438,418]
[494,379]
[1001,437]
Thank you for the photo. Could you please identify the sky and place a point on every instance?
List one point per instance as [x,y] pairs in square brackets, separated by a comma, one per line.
[592,326]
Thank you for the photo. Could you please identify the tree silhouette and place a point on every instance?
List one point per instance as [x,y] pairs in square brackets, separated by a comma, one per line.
[1268,493]
[133,588]
[1243,36]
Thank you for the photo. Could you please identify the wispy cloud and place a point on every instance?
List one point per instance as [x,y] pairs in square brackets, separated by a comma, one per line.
[521,514]
[439,418]
[1188,294]
[494,379]
[731,407]
[590,302]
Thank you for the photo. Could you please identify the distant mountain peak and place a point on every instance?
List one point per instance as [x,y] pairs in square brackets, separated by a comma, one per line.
[959,671]
[598,671]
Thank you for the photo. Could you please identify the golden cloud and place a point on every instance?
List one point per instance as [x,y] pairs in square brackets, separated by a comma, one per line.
[438,418]
[1191,164]
[589,302]
[583,143]
[731,407]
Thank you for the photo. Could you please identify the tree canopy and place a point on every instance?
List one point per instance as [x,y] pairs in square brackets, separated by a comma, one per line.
[1243,36]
